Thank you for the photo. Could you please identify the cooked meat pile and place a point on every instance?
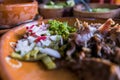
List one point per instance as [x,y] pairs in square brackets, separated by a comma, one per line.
[93,53]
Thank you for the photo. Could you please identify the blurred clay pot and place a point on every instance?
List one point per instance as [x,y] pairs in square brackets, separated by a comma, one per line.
[50,12]
[17,11]
[113,13]
[55,12]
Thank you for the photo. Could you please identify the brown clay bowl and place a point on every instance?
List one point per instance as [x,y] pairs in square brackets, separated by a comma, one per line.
[16,11]
[50,13]
[31,70]
[113,13]
[55,12]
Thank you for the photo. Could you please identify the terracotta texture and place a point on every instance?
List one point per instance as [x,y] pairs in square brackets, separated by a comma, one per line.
[113,13]
[17,12]
[3,31]
[11,69]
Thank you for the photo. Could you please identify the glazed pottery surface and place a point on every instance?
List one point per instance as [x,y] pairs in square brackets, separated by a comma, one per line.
[16,11]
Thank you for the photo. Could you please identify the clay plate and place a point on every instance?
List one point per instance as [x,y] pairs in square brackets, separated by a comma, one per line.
[11,69]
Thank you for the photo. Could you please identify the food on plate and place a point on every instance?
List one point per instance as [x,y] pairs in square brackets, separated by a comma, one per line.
[86,49]
[42,41]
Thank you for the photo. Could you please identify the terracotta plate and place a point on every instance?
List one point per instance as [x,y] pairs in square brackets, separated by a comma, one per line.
[3,31]
[12,69]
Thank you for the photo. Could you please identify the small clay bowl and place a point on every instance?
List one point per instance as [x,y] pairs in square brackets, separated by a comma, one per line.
[113,13]
[66,11]
[13,12]
[50,12]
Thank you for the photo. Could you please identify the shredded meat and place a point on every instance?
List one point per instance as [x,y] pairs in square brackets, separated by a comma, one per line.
[94,51]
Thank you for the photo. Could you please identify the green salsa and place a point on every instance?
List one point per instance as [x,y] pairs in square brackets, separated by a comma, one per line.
[100,10]
[58,5]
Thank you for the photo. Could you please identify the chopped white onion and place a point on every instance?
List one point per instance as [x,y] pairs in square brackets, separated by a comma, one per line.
[31,39]
[24,47]
[50,52]
[45,42]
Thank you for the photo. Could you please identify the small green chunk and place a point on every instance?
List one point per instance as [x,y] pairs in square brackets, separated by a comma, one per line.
[34,53]
[40,56]
[16,55]
[51,3]
[48,62]
[30,54]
